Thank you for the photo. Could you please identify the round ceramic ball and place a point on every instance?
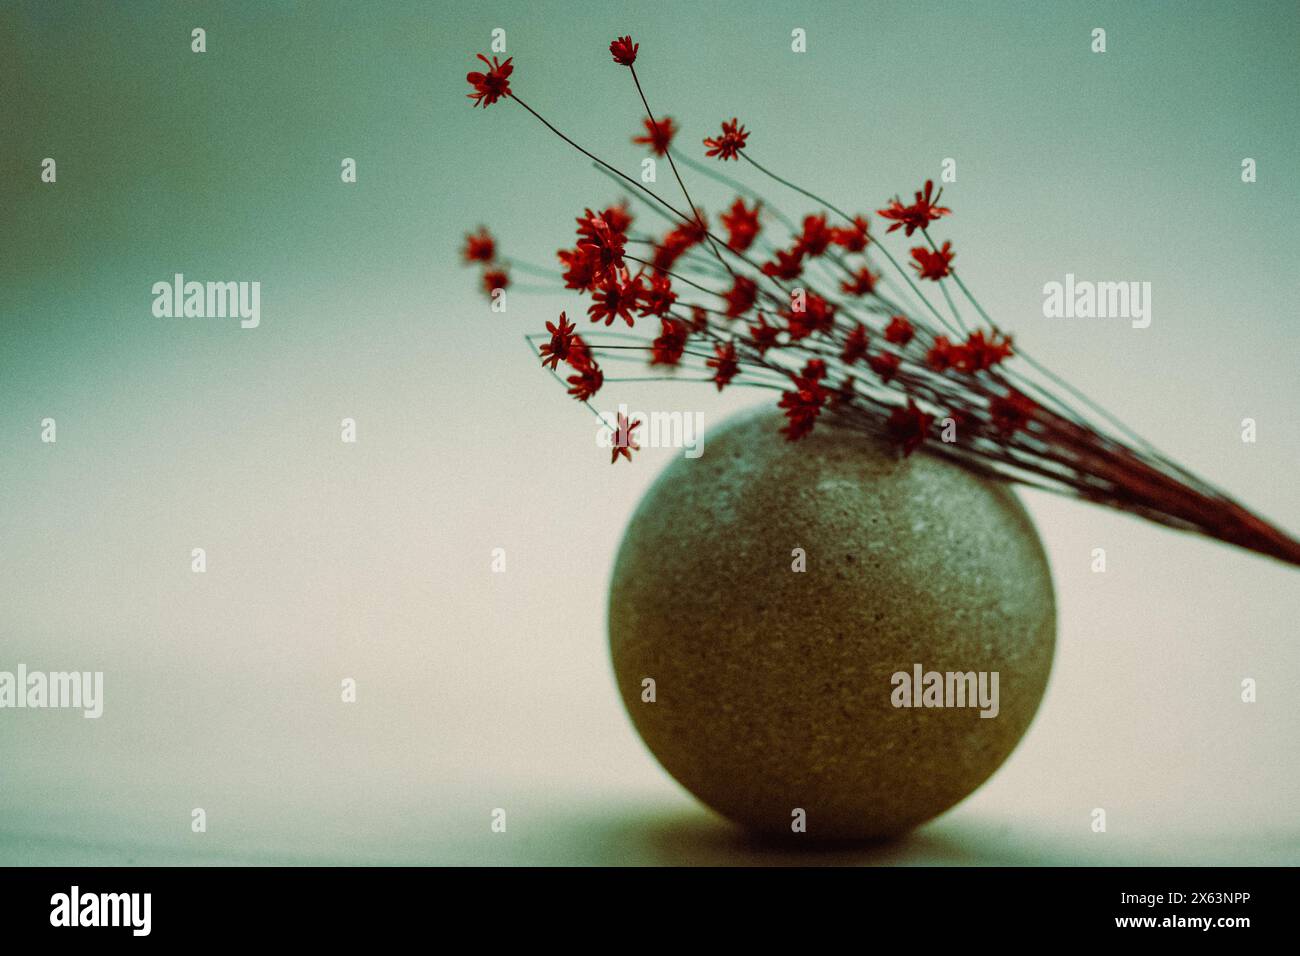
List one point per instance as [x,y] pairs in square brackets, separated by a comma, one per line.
[773,592]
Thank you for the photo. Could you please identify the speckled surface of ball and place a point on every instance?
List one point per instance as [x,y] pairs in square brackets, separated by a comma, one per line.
[774,689]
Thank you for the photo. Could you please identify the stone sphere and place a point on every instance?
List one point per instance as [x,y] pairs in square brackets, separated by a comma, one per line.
[776,592]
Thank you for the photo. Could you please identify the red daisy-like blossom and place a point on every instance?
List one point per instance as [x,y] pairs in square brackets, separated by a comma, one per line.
[741,224]
[579,354]
[492,85]
[899,331]
[815,238]
[981,353]
[622,441]
[908,426]
[667,349]
[659,297]
[558,349]
[853,239]
[884,364]
[587,382]
[580,267]
[479,246]
[658,135]
[817,315]
[618,217]
[862,282]
[673,247]
[933,264]
[724,364]
[615,297]
[855,345]
[494,279]
[730,143]
[1012,412]
[788,265]
[762,335]
[623,50]
[918,215]
[804,403]
[605,241]
[741,297]
[943,355]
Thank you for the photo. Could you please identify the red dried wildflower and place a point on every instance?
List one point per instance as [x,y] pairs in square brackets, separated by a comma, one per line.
[658,135]
[855,346]
[604,240]
[804,403]
[730,143]
[884,364]
[899,330]
[788,265]
[492,85]
[622,441]
[815,238]
[587,382]
[558,349]
[853,239]
[742,225]
[580,267]
[863,282]
[615,298]
[668,347]
[943,355]
[699,318]
[618,217]
[659,297]
[479,246]
[494,279]
[724,364]
[1012,412]
[909,426]
[980,353]
[933,264]
[918,215]
[623,50]
[674,245]
[741,297]
[579,354]
[817,315]
[762,335]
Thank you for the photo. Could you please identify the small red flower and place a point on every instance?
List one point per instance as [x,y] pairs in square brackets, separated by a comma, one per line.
[817,315]
[788,265]
[943,355]
[863,282]
[668,347]
[561,344]
[742,225]
[615,298]
[624,51]
[618,217]
[699,319]
[762,335]
[1011,413]
[884,364]
[479,246]
[673,247]
[587,382]
[622,441]
[494,279]
[658,135]
[855,346]
[659,297]
[724,364]
[604,240]
[730,143]
[899,331]
[804,403]
[853,239]
[933,264]
[580,267]
[918,215]
[741,297]
[815,238]
[492,85]
[909,426]
[980,353]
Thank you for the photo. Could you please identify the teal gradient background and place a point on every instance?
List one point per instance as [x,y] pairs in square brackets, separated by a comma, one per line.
[372,561]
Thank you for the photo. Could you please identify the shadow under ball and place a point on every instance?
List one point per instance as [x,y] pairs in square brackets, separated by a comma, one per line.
[773,688]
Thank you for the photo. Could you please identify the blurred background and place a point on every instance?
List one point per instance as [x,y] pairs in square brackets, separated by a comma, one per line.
[372,561]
